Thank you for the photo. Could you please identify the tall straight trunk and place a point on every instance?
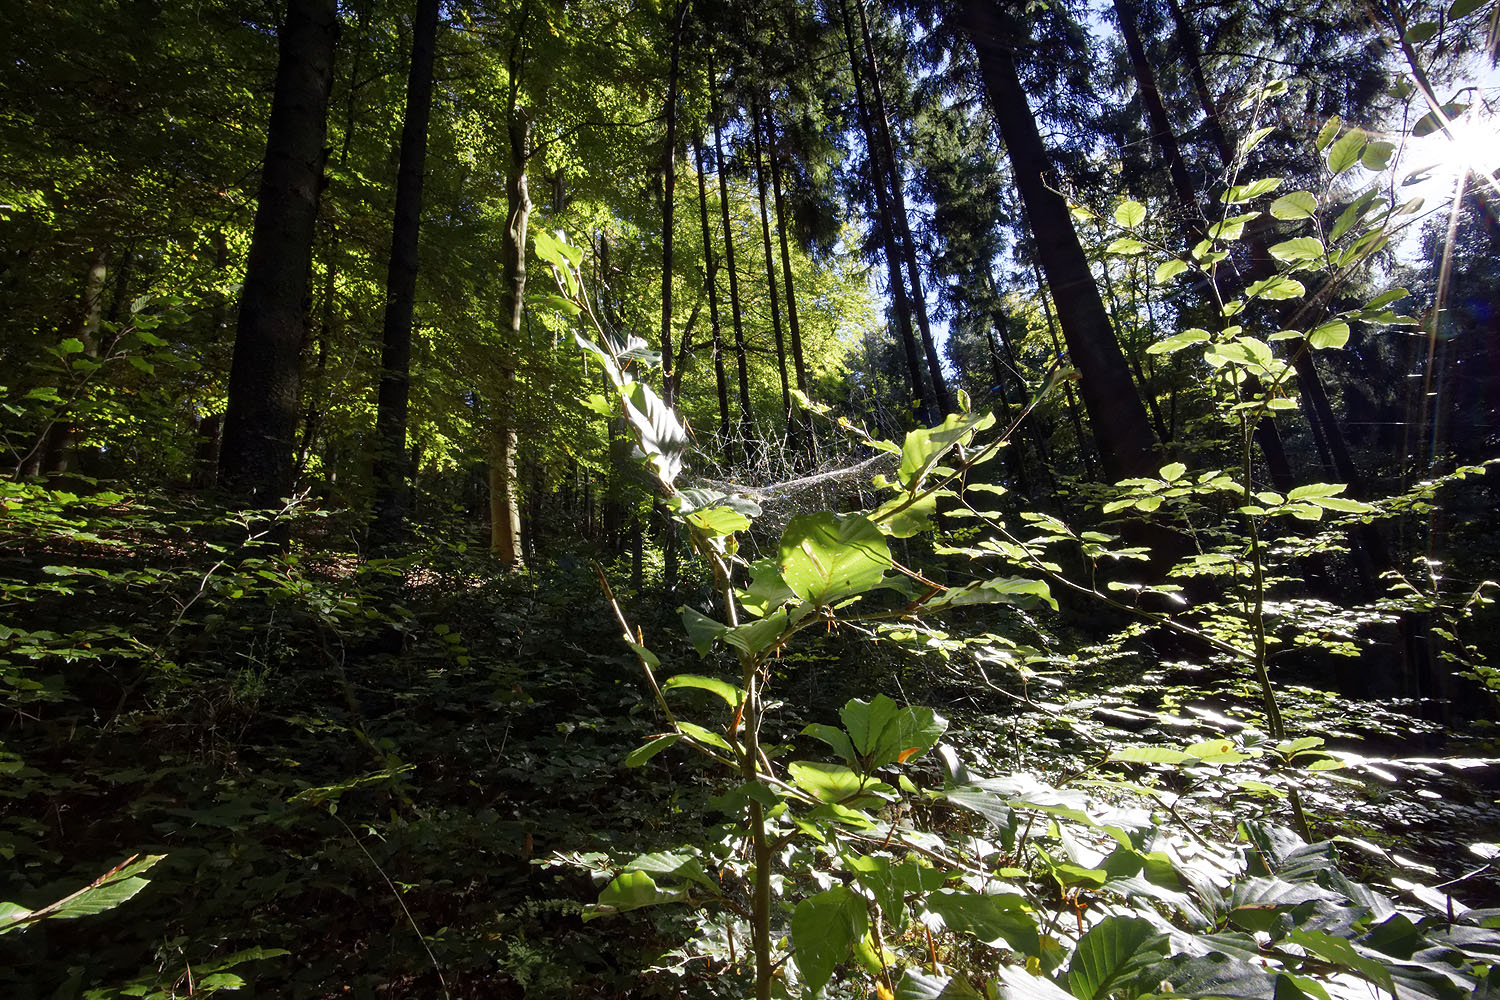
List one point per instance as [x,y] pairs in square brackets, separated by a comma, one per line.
[1073,415]
[1192,50]
[943,398]
[746,429]
[313,401]
[1369,551]
[899,301]
[388,522]
[49,453]
[255,460]
[710,266]
[773,148]
[1156,112]
[765,230]
[1121,427]
[505,506]
[669,187]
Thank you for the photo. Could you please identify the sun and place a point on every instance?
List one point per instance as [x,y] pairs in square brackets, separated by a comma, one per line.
[1473,143]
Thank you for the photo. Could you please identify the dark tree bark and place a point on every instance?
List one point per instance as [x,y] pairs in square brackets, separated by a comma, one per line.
[747,431]
[255,460]
[942,397]
[388,522]
[773,148]
[1121,427]
[710,264]
[1192,49]
[669,188]
[1156,112]
[900,304]
[765,230]
[49,453]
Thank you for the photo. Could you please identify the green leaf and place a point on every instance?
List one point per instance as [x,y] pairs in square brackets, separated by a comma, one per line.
[1377,155]
[835,738]
[1149,755]
[1249,192]
[992,919]
[1178,341]
[918,985]
[631,891]
[1254,139]
[1312,490]
[902,517]
[1167,270]
[104,893]
[835,783]
[1421,32]
[650,749]
[767,591]
[565,306]
[1173,472]
[1430,122]
[1276,287]
[713,685]
[1355,211]
[1328,131]
[1329,335]
[1345,153]
[1463,8]
[1341,952]
[1343,505]
[1113,950]
[824,929]
[1231,228]
[1125,247]
[925,446]
[1301,248]
[1018,984]
[827,557]
[757,637]
[1219,751]
[1296,205]
[1018,591]
[702,630]
[660,435]
[696,732]
[718,522]
[71,345]
[1130,214]
[882,733]
[1385,298]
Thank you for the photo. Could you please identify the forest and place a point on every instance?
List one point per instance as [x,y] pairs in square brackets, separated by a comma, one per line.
[907,499]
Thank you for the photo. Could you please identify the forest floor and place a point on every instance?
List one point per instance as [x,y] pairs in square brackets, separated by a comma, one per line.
[395,787]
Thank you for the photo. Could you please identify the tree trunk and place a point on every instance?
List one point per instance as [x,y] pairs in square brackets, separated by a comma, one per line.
[50,452]
[1187,38]
[765,230]
[255,460]
[388,523]
[942,397]
[1121,427]
[799,366]
[505,507]
[1156,112]
[669,187]
[899,301]
[710,279]
[746,429]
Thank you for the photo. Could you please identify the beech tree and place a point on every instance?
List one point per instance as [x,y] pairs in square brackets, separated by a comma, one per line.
[255,459]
